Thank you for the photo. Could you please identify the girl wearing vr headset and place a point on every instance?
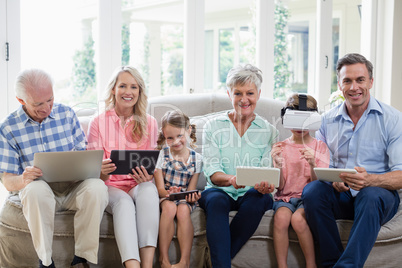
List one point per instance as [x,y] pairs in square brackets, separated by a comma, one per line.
[296,157]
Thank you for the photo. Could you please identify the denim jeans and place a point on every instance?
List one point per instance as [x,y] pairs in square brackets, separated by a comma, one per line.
[370,209]
[225,240]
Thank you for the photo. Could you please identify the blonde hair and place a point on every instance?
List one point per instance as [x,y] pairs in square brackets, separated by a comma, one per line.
[140,108]
[293,101]
[176,119]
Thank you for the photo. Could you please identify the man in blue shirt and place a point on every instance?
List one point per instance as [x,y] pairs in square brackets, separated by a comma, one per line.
[364,134]
[40,126]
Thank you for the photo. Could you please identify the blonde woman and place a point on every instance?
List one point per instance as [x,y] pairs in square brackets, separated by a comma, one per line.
[133,198]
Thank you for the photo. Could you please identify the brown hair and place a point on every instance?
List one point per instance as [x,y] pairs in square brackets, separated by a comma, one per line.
[293,101]
[176,119]
[354,58]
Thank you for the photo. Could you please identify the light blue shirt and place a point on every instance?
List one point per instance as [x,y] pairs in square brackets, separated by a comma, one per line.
[223,148]
[375,143]
[21,137]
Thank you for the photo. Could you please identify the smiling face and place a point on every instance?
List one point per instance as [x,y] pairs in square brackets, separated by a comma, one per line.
[176,137]
[244,99]
[126,92]
[39,101]
[355,84]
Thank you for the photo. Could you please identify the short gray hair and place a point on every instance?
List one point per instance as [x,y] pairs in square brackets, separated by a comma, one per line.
[30,79]
[241,75]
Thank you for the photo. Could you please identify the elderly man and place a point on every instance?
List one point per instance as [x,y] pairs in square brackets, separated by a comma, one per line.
[39,126]
[364,134]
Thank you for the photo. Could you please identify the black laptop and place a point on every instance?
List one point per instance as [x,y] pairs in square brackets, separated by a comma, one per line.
[126,160]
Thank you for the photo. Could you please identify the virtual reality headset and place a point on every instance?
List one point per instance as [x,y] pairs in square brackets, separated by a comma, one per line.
[301,117]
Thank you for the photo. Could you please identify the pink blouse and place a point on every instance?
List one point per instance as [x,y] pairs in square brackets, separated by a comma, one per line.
[297,172]
[106,133]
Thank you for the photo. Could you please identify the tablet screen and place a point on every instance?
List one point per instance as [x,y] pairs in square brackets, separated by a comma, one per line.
[331,174]
[249,176]
[126,160]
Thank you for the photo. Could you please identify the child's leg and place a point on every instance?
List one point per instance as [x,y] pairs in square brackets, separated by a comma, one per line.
[281,235]
[166,231]
[303,232]
[185,233]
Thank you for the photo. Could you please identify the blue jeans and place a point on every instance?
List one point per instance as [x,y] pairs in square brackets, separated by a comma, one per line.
[225,240]
[370,209]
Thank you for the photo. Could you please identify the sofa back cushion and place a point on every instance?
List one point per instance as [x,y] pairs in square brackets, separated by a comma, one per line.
[197,106]
[203,107]
[200,108]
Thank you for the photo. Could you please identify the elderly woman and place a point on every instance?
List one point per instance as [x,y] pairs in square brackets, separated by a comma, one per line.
[237,138]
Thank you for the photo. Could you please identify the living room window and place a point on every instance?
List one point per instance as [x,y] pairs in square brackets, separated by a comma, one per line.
[62,43]
[66,41]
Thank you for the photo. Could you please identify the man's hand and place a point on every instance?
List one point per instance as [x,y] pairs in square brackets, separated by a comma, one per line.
[340,187]
[30,174]
[357,181]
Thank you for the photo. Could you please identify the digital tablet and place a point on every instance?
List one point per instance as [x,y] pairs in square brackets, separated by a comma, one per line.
[332,174]
[181,195]
[249,176]
[126,160]
[69,166]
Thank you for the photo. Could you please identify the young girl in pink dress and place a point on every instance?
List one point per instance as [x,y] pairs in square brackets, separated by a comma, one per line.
[296,157]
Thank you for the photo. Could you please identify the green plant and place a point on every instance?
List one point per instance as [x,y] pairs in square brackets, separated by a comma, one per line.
[145,65]
[226,53]
[84,75]
[281,59]
[125,44]
[172,59]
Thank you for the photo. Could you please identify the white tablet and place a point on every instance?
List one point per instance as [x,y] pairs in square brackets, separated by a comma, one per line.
[332,174]
[249,176]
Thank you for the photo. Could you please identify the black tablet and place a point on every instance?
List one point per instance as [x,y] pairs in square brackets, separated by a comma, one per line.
[181,195]
[126,160]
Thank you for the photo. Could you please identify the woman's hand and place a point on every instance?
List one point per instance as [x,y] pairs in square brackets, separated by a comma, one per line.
[232,182]
[264,187]
[107,167]
[140,175]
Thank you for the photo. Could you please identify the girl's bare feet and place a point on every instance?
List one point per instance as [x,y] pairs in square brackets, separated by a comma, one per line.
[180,265]
[165,264]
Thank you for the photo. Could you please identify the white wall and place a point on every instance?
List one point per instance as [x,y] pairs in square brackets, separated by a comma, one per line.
[396,74]
[9,69]
[388,68]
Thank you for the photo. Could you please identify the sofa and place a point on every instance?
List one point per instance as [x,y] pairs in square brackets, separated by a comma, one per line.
[16,249]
